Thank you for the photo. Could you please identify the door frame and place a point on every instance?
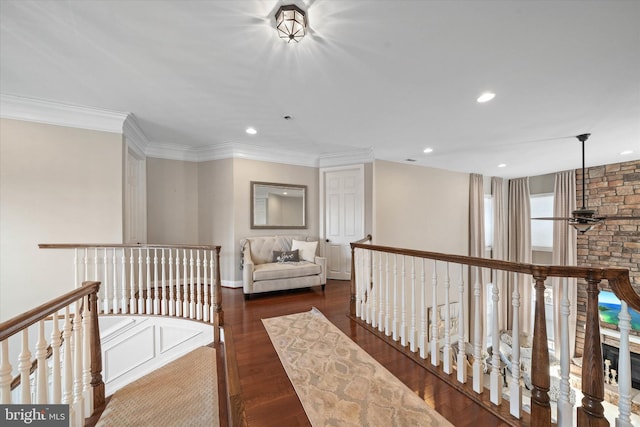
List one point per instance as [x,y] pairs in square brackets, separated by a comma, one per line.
[322,172]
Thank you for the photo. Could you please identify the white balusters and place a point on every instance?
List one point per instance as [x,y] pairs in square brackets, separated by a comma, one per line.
[462,359]
[435,350]
[5,373]
[105,283]
[396,304]
[56,374]
[446,354]
[163,263]
[132,284]
[172,296]
[387,310]
[24,368]
[422,340]
[403,306]
[192,285]
[212,281]
[515,392]
[373,295]
[495,375]
[140,297]
[413,331]
[624,368]
[86,356]
[41,358]
[565,408]
[198,286]
[67,366]
[185,285]
[478,374]
[114,276]
[146,296]
[124,307]
[381,294]
[156,289]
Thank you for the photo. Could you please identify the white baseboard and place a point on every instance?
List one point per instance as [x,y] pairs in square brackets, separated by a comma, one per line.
[232,283]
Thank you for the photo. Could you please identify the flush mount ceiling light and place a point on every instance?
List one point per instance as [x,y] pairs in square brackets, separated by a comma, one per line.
[485,97]
[428,150]
[251,131]
[291,23]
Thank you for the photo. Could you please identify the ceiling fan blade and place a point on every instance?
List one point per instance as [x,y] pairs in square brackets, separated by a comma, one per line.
[618,217]
[554,218]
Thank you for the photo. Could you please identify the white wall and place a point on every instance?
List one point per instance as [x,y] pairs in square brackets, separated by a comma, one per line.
[172,202]
[216,212]
[420,208]
[57,185]
[245,171]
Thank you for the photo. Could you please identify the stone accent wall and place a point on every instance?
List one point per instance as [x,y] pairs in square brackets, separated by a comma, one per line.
[610,190]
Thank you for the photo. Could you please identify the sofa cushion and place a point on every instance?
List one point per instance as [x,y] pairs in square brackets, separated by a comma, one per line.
[277,270]
[307,249]
[286,256]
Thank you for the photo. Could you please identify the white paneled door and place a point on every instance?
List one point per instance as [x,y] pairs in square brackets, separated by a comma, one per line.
[342,213]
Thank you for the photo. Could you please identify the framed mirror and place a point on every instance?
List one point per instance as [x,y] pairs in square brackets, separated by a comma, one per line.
[278,205]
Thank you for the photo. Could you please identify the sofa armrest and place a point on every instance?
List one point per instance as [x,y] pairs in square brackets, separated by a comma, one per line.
[247,269]
[322,262]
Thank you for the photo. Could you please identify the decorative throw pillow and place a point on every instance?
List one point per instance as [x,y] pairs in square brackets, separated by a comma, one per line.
[307,249]
[286,256]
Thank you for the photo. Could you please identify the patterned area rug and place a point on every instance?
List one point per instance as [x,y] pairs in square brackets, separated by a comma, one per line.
[338,383]
[181,393]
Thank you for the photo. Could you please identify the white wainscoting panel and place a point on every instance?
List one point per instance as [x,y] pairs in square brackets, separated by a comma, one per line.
[133,346]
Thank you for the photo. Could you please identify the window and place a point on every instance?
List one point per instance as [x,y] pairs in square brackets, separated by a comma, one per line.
[542,231]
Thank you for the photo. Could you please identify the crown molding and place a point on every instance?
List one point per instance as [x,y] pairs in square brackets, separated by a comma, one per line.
[172,152]
[56,113]
[364,155]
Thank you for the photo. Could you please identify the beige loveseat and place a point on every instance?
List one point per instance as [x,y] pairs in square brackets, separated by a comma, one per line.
[262,273]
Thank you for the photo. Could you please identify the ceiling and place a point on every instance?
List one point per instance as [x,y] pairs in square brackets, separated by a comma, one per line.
[383,79]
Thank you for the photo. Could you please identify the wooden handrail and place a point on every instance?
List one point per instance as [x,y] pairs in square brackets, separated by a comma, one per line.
[122,245]
[28,318]
[617,277]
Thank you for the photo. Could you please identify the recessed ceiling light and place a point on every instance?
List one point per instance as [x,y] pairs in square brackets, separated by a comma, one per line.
[428,150]
[625,152]
[487,96]
[502,165]
[251,131]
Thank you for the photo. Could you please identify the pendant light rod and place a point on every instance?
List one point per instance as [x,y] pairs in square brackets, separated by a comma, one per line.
[582,138]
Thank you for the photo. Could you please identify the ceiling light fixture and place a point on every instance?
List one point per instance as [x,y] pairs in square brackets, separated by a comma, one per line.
[291,23]
[626,152]
[485,97]
[502,165]
[251,131]
[428,150]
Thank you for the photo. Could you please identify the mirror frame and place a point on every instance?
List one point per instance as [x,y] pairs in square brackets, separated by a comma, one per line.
[253,224]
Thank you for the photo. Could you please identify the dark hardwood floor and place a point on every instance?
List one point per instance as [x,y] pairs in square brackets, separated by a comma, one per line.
[269,397]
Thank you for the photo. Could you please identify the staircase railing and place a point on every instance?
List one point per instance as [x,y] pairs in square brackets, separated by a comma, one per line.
[417,300]
[166,280]
[72,372]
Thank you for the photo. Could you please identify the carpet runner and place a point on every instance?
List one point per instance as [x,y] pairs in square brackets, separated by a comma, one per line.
[338,383]
[182,393]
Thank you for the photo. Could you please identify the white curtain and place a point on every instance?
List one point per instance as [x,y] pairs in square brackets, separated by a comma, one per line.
[564,253]
[476,246]
[500,246]
[520,248]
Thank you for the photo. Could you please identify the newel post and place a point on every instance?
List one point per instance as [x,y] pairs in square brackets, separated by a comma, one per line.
[352,300]
[96,351]
[540,406]
[591,413]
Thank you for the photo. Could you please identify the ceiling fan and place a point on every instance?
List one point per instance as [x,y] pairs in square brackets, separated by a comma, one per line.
[584,219]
